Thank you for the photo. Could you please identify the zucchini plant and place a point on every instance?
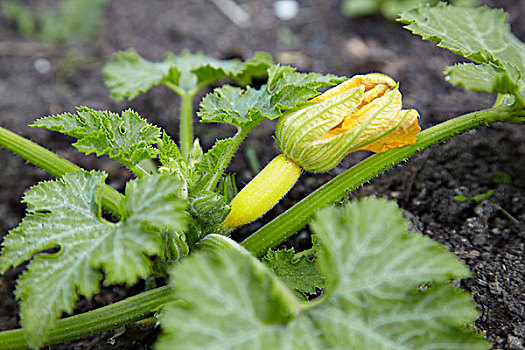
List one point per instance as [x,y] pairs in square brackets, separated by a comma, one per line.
[367,282]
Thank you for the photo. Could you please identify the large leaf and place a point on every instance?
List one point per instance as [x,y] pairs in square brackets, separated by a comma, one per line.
[232,302]
[127,138]
[374,270]
[481,35]
[127,74]
[299,274]
[245,108]
[386,288]
[66,214]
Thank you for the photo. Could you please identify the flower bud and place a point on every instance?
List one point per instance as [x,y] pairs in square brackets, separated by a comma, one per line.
[363,113]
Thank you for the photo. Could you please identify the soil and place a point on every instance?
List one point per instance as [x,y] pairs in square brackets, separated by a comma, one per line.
[488,236]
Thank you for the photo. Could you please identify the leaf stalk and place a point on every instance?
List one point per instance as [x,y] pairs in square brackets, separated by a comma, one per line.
[96,321]
[186,124]
[54,165]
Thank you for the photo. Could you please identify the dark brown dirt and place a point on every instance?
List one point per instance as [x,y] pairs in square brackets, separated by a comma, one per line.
[318,39]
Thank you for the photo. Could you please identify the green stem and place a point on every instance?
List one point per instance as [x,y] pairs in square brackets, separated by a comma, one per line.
[53,164]
[138,170]
[284,226]
[186,116]
[100,320]
[186,124]
[228,154]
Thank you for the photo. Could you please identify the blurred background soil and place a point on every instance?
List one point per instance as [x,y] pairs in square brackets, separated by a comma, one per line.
[39,79]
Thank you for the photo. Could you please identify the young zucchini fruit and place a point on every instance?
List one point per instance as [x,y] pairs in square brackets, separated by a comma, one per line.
[363,113]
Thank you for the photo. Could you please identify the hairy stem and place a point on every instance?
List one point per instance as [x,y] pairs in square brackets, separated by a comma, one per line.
[227,156]
[53,164]
[186,124]
[100,320]
[186,116]
[284,226]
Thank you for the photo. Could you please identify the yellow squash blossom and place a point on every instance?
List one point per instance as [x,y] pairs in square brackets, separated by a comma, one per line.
[363,113]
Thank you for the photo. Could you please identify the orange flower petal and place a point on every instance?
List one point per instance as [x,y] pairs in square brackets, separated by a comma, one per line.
[403,135]
[369,81]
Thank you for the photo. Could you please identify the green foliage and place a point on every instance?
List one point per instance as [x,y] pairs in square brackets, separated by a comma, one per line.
[385,288]
[208,208]
[237,106]
[66,213]
[478,198]
[211,161]
[127,74]
[500,177]
[74,19]
[128,138]
[300,274]
[21,15]
[232,302]
[245,108]
[481,35]
[290,89]
[390,9]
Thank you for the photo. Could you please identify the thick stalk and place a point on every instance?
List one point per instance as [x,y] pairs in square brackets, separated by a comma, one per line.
[100,320]
[53,164]
[186,124]
[284,226]
[186,115]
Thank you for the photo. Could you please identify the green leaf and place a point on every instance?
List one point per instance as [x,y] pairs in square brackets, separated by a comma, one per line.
[255,67]
[299,274]
[432,318]
[291,89]
[244,108]
[390,9]
[128,138]
[227,187]
[232,302]
[237,106]
[80,19]
[482,77]
[127,74]
[280,77]
[211,161]
[374,270]
[358,8]
[386,289]
[481,35]
[66,213]
[208,70]
[168,150]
